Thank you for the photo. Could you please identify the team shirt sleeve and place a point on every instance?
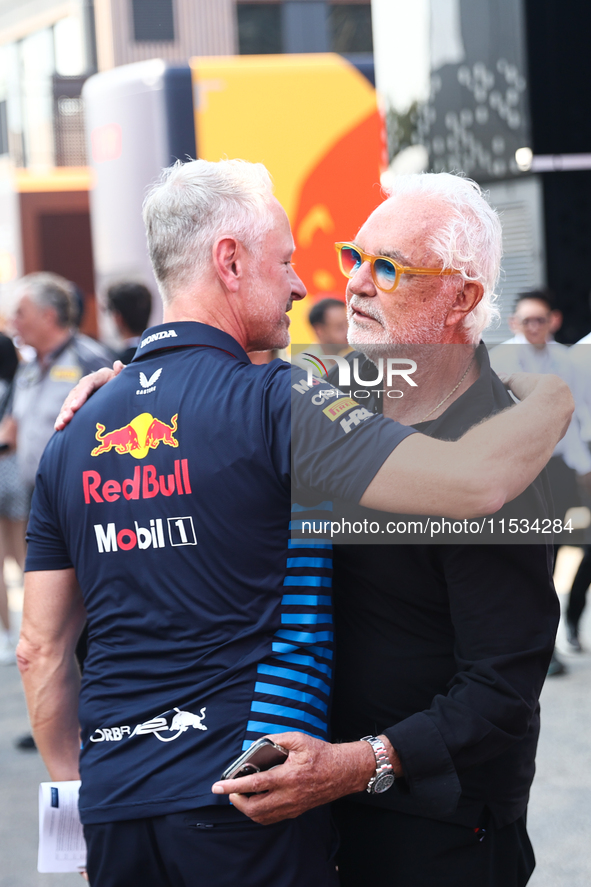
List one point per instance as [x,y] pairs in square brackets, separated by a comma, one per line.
[337,444]
[46,549]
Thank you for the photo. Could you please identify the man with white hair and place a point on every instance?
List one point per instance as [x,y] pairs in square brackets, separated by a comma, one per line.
[442,650]
[44,319]
[208,628]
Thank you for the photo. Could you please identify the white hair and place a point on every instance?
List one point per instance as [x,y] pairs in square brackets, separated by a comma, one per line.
[469,240]
[48,290]
[192,205]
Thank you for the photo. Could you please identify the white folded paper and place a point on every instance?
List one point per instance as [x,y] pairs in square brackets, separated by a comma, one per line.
[61,841]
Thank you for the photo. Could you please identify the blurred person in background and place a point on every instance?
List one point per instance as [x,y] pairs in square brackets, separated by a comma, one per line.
[533,349]
[46,316]
[130,304]
[577,600]
[13,503]
[328,319]
[45,319]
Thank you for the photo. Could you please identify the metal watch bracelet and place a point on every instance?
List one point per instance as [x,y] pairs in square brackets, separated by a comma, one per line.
[384,777]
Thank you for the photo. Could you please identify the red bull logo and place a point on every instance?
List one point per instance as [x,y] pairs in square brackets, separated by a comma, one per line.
[138,437]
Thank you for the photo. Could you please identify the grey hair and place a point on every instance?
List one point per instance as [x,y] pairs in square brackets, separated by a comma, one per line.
[469,240]
[49,290]
[192,205]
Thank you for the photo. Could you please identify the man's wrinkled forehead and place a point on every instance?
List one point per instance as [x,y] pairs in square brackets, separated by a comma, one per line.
[402,224]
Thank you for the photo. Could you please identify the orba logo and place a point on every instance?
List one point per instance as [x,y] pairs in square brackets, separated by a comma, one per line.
[142,434]
[175,721]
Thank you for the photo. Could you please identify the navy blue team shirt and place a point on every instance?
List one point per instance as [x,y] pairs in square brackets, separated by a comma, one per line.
[170,495]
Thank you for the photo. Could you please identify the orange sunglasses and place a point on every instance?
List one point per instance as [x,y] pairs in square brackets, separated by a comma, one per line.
[385,272]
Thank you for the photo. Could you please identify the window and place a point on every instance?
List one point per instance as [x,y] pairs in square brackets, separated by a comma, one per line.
[153,20]
[350,27]
[259,28]
[68,121]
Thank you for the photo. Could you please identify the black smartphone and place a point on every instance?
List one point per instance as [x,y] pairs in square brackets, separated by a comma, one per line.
[264,754]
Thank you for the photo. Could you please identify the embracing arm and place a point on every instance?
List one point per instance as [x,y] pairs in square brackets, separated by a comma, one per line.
[53,617]
[490,465]
[83,390]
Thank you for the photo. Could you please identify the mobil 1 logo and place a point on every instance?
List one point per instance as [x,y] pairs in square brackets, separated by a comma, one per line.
[112,537]
[181,531]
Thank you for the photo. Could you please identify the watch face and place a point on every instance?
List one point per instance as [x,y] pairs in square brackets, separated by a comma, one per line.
[383,783]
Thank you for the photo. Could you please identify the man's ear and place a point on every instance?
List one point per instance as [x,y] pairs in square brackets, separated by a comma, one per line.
[555,320]
[50,316]
[514,324]
[465,302]
[228,261]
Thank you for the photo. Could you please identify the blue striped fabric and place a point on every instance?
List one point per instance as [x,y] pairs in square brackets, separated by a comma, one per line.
[305,581]
[260,728]
[305,637]
[310,562]
[288,693]
[305,618]
[306,600]
[299,677]
[293,689]
[292,714]
[302,543]
[322,506]
[297,659]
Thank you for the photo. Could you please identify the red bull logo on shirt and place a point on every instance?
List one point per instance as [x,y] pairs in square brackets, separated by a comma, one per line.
[138,437]
[145,484]
[175,721]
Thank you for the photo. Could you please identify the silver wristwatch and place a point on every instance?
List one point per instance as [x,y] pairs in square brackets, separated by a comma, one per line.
[384,775]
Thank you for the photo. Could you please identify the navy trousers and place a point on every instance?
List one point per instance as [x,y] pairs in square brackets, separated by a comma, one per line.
[212,847]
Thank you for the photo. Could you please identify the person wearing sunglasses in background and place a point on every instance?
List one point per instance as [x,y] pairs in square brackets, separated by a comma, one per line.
[442,650]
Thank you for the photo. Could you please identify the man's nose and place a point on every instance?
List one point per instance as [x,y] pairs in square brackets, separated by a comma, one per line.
[298,289]
[362,282]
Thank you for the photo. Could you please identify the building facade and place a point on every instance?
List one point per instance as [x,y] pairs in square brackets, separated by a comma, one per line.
[49,48]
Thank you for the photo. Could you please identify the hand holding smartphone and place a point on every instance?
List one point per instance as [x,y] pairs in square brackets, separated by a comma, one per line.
[264,754]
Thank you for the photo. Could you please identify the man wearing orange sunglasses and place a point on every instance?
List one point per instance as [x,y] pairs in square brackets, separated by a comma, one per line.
[442,649]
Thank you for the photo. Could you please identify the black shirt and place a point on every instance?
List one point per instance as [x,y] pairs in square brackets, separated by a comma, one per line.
[444,648]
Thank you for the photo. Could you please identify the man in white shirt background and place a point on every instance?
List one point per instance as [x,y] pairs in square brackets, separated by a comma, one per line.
[533,349]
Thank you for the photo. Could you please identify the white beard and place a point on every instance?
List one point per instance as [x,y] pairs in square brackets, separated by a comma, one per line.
[377,341]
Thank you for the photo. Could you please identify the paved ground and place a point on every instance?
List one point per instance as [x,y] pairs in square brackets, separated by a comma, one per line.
[559,814]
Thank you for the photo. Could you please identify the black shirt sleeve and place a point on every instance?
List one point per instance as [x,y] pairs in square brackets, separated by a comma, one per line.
[505,613]
[338,445]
